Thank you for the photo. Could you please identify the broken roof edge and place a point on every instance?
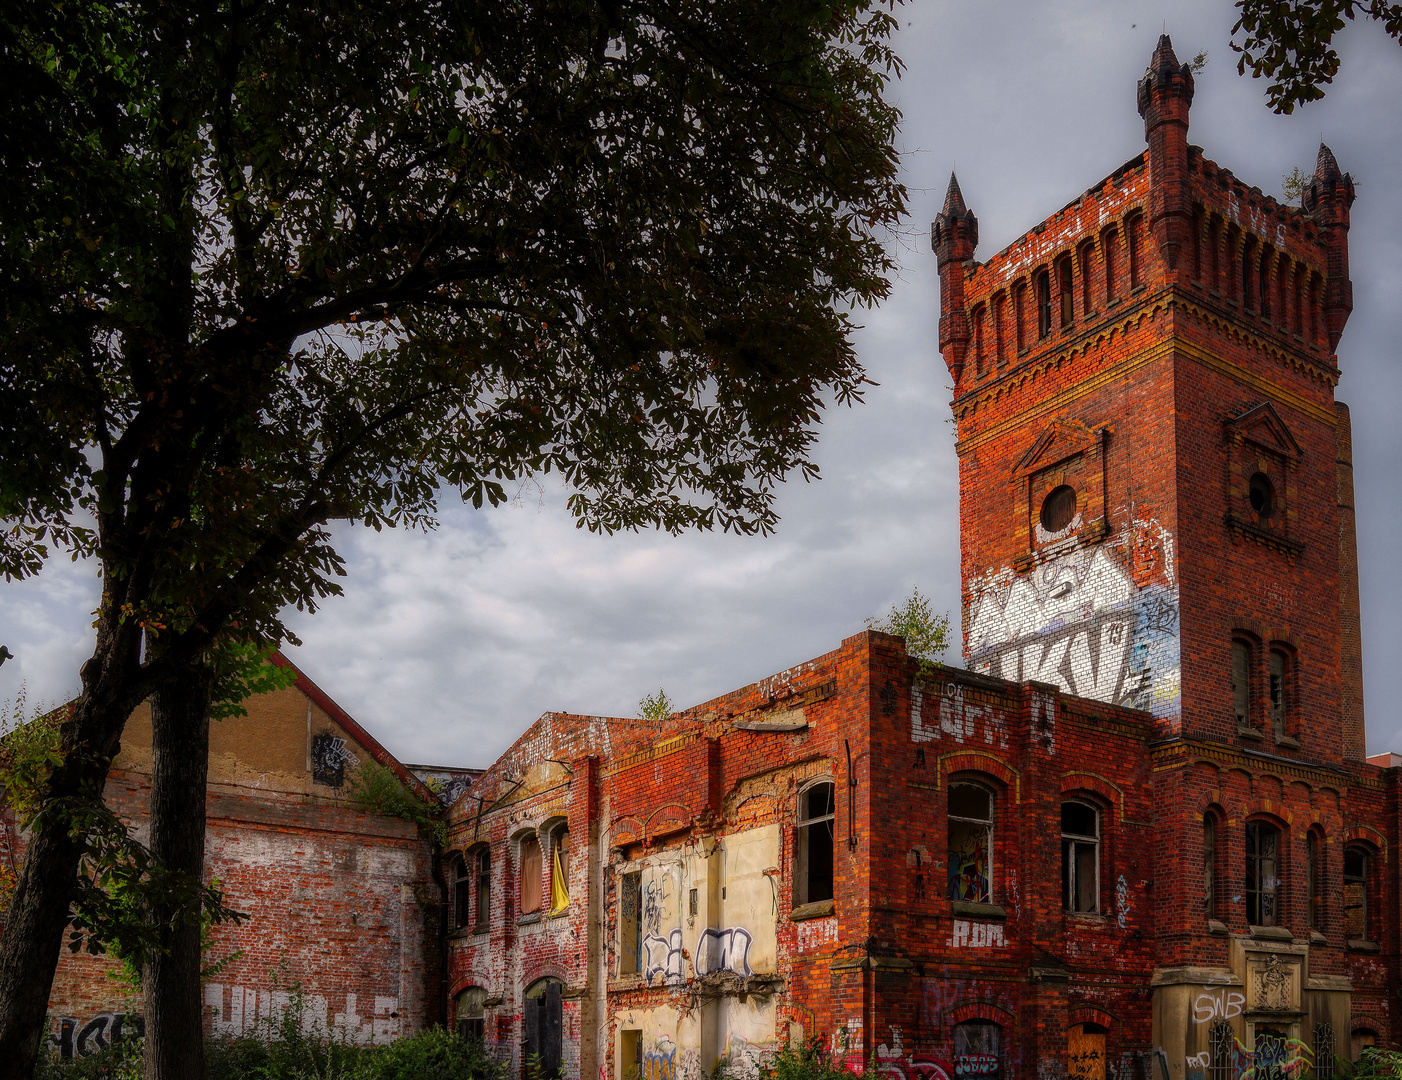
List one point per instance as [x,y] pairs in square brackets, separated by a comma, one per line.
[346,722]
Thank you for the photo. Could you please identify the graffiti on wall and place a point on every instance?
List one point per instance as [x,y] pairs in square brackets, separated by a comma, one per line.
[724,950]
[976,935]
[660,1061]
[1276,1057]
[813,934]
[239,1010]
[663,956]
[77,1038]
[1218,1005]
[1100,622]
[947,713]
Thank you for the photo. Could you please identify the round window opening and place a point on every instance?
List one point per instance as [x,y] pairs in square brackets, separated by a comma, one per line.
[1261,495]
[1058,508]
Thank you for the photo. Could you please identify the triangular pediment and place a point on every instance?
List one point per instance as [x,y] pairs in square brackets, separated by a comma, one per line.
[1263,426]
[1061,439]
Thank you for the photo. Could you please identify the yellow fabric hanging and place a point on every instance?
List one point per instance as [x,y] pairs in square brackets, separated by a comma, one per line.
[559,891]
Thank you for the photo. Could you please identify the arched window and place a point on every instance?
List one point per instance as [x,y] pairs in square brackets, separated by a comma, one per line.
[1324,1049]
[484,889]
[1241,682]
[1221,1046]
[1080,857]
[970,843]
[978,321]
[1248,277]
[1362,1037]
[1314,883]
[1299,303]
[1020,314]
[1262,874]
[560,870]
[1044,303]
[1085,1052]
[1068,296]
[543,1025]
[462,891]
[1267,261]
[1087,268]
[1000,304]
[1313,310]
[1214,256]
[1282,292]
[1357,863]
[530,874]
[978,1050]
[1110,244]
[1199,224]
[1209,865]
[1279,691]
[1134,240]
[813,879]
[471,1014]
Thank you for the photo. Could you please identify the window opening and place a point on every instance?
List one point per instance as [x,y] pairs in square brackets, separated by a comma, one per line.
[1020,314]
[978,1050]
[1134,241]
[1085,1052]
[1198,226]
[816,806]
[1209,866]
[1068,296]
[1324,1050]
[1299,302]
[1279,699]
[484,890]
[1214,249]
[630,1055]
[1313,893]
[1248,260]
[1282,292]
[462,886]
[1221,1045]
[1261,494]
[328,759]
[1314,310]
[543,1026]
[1111,244]
[1262,873]
[1362,1037]
[1080,857]
[1241,682]
[1000,303]
[630,924]
[560,871]
[970,843]
[1356,892]
[1265,284]
[1273,1059]
[530,875]
[978,341]
[1044,310]
[1087,263]
[471,1014]
[1058,508]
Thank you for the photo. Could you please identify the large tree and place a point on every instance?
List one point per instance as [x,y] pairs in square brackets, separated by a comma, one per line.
[265,267]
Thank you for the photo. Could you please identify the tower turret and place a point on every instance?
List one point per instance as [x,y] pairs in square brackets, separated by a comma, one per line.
[954,235]
[1328,197]
[1165,95]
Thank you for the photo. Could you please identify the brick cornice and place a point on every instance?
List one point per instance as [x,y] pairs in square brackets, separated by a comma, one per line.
[1181,753]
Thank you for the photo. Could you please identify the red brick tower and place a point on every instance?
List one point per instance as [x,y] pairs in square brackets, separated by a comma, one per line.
[1156,511]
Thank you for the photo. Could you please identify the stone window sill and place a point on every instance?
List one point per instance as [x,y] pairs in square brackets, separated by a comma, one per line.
[1359,945]
[1217,926]
[1316,938]
[978,911]
[815,910]
[526,920]
[1271,933]
[1287,742]
[1249,733]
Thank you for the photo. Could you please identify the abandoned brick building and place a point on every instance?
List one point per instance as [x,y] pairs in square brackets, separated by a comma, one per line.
[1138,833]
[1137,836]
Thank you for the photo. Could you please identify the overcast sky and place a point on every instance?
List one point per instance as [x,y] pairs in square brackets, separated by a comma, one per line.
[447,645]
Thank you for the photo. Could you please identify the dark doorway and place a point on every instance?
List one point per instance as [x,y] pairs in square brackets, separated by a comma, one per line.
[543,1024]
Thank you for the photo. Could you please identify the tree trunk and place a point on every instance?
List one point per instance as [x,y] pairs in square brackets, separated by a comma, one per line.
[38,915]
[179,775]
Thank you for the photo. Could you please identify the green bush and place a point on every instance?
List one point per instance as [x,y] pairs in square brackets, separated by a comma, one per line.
[433,1054]
[810,1061]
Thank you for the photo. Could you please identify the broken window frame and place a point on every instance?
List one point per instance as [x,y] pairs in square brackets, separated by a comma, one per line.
[988,825]
[978,1049]
[1242,655]
[482,868]
[1279,687]
[472,1025]
[1263,873]
[630,923]
[808,828]
[462,884]
[1357,864]
[1074,847]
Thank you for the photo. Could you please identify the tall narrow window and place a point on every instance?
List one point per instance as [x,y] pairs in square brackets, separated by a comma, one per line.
[1356,891]
[1209,866]
[1324,1050]
[1241,682]
[559,871]
[1279,694]
[1313,893]
[1298,306]
[1248,262]
[1221,1045]
[484,890]
[542,1018]
[1020,315]
[1080,857]
[970,862]
[816,807]
[1262,874]
[1044,304]
[530,875]
[1111,245]
[1214,256]
[1229,257]
[1134,240]
[1087,267]
[1265,280]
[1282,292]
[978,321]
[1067,287]
[1000,304]
[462,891]
[1313,310]
[630,924]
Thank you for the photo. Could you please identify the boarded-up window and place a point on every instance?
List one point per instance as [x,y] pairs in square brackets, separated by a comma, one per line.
[630,924]
[978,1050]
[543,1023]
[530,875]
[1085,1052]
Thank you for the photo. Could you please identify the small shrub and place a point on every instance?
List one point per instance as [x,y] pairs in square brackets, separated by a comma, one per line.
[432,1054]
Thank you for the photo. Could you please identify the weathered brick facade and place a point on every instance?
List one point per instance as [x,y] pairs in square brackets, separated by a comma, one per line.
[343,904]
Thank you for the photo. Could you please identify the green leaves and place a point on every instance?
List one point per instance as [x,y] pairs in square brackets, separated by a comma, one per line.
[1291,43]
[926,634]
